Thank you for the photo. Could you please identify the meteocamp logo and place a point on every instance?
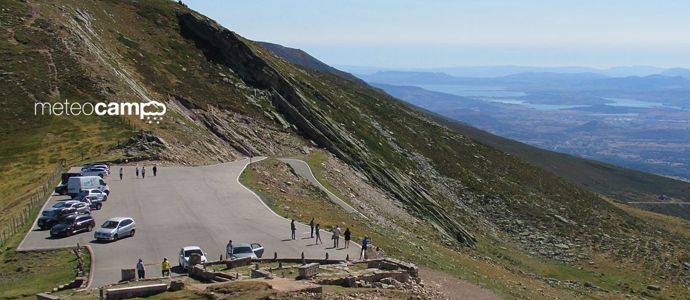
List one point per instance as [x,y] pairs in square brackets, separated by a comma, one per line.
[150,112]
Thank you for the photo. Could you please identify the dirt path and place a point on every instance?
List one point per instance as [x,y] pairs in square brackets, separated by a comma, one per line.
[454,288]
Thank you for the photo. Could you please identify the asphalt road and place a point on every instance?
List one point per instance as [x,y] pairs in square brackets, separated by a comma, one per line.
[303,169]
[204,206]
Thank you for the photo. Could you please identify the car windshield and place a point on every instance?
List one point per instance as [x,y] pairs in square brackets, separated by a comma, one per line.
[67,221]
[110,224]
[189,253]
[240,250]
[60,205]
[50,213]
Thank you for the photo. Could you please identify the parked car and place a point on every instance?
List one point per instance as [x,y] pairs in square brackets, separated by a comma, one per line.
[77,184]
[72,224]
[254,250]
[95,171]
[116,228]
[102,196]
[51,216]
[61,189]
[95,202]
[81,207]
[187,252]
[97,164]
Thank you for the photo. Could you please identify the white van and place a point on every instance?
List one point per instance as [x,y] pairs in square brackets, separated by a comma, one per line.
[79,183]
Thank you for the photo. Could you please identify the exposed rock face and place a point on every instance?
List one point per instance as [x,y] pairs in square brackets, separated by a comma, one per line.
[223,46]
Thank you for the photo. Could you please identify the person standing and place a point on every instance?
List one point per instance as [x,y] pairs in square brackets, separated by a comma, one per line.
[347,236]
[293,228]
[155,170]
[228,250]
[317,230]
[365,244]
[336,237]
[311,226]
[143,172]
[120,173]
[137,171]
[165,267]
[141,271]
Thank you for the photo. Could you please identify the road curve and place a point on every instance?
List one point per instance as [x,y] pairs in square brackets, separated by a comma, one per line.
[204,206]
[303,169]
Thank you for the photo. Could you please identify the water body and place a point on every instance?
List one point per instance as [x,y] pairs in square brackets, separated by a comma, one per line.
[471,91]
[623,102]
[498,94]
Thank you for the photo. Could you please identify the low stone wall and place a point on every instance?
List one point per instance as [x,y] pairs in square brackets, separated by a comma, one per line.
[135,291]
[308,270]
[230,264]
[393,264]
[301,261]
[200,273]
[351,281]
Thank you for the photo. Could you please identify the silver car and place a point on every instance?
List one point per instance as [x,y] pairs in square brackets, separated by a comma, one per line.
[81,207]
[254,250]
[101,195]
[116,228]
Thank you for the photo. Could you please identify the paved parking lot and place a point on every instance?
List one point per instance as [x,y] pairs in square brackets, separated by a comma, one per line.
[182,206]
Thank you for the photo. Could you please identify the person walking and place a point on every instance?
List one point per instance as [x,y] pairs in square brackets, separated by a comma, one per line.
[155,170]
[365,244]
[143,172]
[165,267]
[347,236]
[293,228]
[141,271]
[311,226]
[336,237]
[120,173]
[137,171]
[317,230]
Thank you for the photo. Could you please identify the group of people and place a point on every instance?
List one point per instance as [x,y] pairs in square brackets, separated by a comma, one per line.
[143,171]
[315,233]
[141,269]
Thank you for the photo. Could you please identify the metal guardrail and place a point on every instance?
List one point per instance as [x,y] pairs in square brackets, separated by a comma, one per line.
[32,205]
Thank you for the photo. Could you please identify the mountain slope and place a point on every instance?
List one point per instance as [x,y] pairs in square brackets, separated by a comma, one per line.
[303,59]
[230,97]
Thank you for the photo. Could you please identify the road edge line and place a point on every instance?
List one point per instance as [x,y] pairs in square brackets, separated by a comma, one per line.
[266,205]
[324,187]
[33,225]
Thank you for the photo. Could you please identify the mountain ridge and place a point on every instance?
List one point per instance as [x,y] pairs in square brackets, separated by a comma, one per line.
[230,97]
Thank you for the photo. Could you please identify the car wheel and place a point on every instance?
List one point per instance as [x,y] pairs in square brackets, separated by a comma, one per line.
[88,228]
[68,233]
[98,207]
[131,233]
[115,237]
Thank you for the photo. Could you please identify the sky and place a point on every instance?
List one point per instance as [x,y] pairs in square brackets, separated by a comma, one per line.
[447,33]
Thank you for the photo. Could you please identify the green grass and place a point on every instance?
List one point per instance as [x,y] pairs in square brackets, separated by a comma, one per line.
[499,274]
[24,274]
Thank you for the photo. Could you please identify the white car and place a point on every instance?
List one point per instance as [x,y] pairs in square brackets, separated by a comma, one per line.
[95,171]
[253,251]
[186,252]
[116,228]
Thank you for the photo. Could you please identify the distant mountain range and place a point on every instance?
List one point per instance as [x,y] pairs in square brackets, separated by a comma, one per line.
[498,71]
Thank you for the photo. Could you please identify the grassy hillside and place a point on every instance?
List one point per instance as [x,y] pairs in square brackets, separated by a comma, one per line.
[227,96]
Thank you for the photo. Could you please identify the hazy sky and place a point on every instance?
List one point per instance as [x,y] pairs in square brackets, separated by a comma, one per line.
[446,33]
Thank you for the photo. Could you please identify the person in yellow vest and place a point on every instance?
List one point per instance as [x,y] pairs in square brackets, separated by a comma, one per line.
[165,267]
